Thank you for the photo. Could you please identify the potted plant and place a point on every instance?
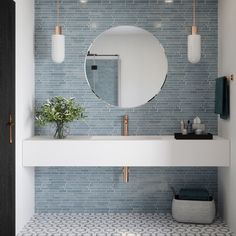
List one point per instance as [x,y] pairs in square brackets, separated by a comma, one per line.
[60,111]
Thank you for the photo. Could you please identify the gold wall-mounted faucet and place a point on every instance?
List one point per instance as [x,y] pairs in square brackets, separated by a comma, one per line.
[126,133]
[125,125]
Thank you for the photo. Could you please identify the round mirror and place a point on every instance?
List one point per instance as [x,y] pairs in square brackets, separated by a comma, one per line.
[126,66]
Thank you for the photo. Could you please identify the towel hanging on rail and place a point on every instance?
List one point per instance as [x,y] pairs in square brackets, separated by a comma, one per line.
[222,98]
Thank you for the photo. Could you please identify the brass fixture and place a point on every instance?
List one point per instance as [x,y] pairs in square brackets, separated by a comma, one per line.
[126,174]
[194,27]
[58,28]
[126,133]
[231,77]
[10,124]
[125,125]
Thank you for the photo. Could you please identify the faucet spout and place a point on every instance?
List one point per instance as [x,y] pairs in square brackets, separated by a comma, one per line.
[125,125]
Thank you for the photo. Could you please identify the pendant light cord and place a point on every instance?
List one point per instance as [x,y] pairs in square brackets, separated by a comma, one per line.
[194,12]
[58,12]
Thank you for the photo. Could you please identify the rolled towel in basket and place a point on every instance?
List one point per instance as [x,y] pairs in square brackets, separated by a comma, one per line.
[197,194]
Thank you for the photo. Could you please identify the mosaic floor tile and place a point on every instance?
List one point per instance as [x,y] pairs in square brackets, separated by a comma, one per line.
[118,225]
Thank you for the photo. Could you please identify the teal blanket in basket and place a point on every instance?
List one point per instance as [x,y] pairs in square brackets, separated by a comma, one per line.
[199,194]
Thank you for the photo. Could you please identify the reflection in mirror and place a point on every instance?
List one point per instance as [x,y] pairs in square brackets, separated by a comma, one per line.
[126,66]
[103,76]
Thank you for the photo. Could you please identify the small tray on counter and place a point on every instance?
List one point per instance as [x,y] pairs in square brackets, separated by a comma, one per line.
[193,136]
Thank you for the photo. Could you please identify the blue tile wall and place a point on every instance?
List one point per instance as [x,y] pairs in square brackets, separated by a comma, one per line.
[102,189]
[188,91]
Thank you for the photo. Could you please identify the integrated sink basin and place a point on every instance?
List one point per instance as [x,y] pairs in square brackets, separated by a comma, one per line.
[104,137]
[125,151]
[123,138]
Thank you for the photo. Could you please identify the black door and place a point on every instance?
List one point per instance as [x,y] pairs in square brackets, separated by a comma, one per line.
[7,116]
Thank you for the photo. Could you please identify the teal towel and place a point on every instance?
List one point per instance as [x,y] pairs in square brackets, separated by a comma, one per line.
[222,97]
[200,194]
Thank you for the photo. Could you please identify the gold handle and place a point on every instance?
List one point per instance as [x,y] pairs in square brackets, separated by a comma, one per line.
[10,124]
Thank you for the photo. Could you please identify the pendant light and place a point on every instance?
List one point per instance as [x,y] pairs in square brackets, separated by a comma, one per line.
[194,41]
[58,40]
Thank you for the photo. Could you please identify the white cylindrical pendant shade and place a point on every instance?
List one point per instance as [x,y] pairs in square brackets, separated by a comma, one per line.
[58,48]
[194,48]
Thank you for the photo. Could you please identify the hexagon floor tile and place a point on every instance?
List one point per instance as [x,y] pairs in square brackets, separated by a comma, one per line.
[118,225]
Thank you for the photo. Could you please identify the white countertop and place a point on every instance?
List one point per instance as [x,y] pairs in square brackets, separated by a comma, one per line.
[125,151]
[117,138]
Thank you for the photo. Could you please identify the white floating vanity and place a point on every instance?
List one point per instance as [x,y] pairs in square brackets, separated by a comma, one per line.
[125,151]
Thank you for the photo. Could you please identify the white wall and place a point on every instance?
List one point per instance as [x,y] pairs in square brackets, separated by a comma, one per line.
[227,65]
[24,107]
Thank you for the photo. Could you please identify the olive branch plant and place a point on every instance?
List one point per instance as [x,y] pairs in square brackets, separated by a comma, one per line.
[60,111]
